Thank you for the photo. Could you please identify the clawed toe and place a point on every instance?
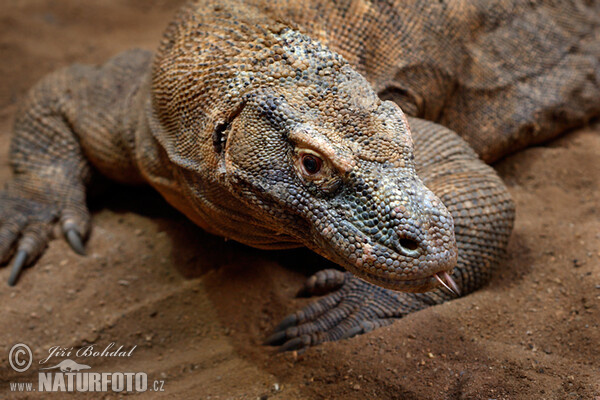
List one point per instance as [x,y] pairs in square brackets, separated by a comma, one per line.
[276,339]
[26,226]
[353,332]
[75,241]
[356,307]
[17,266]
[295,344]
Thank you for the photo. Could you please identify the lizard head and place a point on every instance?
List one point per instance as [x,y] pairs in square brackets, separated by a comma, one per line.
[333,166]
[304,152]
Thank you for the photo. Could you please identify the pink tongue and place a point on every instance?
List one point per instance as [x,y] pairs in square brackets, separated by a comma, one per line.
[447,282]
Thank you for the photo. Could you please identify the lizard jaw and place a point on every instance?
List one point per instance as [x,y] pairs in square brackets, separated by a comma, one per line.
[418,285]
[424,275]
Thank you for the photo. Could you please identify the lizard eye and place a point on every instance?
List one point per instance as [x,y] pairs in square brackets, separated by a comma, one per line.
[315,170]
[311,163]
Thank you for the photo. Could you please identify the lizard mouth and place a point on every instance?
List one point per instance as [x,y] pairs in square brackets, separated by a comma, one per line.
[441,278]
[424,268]
[368,267]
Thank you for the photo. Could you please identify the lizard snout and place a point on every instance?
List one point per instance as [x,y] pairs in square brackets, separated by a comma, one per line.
[409,240]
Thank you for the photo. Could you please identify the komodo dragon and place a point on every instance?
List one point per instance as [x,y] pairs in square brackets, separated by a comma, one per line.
[321,124]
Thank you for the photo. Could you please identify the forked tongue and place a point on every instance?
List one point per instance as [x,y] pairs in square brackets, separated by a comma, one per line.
[447,282]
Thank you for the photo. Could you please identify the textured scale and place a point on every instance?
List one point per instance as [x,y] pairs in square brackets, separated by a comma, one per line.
[394,102]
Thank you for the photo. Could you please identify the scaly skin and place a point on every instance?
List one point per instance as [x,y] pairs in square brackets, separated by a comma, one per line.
[264,123]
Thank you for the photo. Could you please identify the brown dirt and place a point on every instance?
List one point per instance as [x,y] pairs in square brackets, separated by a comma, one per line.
[198,307]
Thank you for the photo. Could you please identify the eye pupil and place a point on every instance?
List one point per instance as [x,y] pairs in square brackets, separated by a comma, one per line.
[311,163]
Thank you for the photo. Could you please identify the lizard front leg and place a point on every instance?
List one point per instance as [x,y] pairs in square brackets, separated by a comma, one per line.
[70,124]
[483,214]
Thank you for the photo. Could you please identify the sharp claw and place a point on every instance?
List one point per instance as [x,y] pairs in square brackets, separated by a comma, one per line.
[293,344]
[275,339]
[20,259]
[353,332]
[75,241]
[287,322]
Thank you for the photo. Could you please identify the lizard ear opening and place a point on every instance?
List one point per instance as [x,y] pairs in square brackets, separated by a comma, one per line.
[219,137]
[223,127]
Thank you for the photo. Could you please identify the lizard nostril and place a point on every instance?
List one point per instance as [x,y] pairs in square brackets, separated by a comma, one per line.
[409,247]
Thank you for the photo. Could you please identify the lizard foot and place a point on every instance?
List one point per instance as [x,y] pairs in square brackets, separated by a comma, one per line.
[352,307]
[26,226]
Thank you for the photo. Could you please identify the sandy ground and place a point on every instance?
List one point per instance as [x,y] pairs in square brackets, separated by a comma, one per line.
[197,308]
